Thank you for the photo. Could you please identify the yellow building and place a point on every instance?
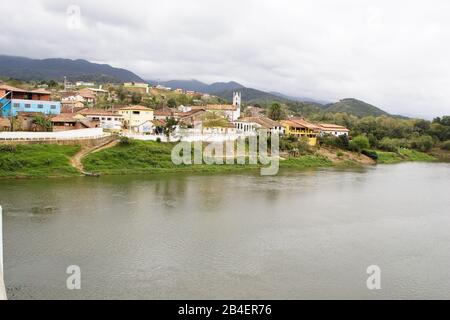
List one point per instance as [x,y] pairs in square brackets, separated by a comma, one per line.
[302,129]
[137,118]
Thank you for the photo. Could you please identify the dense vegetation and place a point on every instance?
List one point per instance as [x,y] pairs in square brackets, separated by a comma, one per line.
[36,160]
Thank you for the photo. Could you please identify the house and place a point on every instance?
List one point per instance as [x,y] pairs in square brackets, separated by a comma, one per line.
[84,84]
[5,124]
[190,118]
[250,125]
[108,120]
[333,129]
[161,87]
[88,96]
[300,128]
[70,121]
[218,128]
[26,121]
[231,111]
[163,114]
[15,100]
[137,86]
[72,102]
[137,118]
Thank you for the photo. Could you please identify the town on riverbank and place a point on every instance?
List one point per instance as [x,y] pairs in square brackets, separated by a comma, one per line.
[64,129]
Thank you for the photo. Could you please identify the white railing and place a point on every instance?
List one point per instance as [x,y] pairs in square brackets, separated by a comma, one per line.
[2,283]
[81,134]
[191,137]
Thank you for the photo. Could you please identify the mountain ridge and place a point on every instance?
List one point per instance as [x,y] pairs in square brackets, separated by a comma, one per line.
[56,68]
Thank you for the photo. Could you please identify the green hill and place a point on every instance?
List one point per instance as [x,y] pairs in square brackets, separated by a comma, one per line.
[355,107]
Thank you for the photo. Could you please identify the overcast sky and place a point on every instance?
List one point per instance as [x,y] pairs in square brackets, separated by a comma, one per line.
[394,54]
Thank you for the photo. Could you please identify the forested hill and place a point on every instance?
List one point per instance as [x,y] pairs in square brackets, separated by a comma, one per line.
[354,107]
[55,69]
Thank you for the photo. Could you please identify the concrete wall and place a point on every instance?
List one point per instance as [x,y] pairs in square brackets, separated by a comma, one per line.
[81,142]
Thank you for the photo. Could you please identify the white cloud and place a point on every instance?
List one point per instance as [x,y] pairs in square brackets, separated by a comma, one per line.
[391,54]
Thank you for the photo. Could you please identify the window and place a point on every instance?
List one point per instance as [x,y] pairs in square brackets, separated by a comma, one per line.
[136,112]
[53,107]
[16,105]
[27,106]
[40,106]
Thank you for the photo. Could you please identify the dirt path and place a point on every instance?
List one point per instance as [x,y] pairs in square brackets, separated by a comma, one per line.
[332,155]
[75,161]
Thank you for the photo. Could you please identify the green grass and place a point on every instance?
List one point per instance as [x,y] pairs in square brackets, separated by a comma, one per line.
[306,161]
[37,160]
[403,155]
[152,157]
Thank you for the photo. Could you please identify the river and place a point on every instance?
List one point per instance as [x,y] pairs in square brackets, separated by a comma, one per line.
[298,235]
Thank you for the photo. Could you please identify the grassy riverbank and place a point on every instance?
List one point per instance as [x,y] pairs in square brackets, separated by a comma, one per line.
[38,160]
[138,157]
[152,157]
[403,155]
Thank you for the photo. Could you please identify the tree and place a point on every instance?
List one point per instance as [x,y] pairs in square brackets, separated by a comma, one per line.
[136,98]
[275,112]
[171,124]
[359,143]
[43,122]
[172,103]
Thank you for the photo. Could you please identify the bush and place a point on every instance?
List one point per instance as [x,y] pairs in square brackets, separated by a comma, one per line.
[389,144]
[126,141]
[340,142]
[158,140]
[359,143]
[8,148]
[340,154]
[446,145]
[422,143]
[371,154]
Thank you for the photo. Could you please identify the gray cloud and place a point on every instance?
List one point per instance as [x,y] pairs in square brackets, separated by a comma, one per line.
[393,55]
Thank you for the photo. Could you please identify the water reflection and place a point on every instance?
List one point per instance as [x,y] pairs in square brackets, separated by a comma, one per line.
[301,234]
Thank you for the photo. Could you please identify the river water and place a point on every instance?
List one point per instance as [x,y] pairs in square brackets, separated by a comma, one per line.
[298,235]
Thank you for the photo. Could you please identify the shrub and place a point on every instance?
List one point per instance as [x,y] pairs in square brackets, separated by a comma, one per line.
[422,143]
[371,154]
[340,154]
[126,141]
[340,142]
[8,148]
[158,140]
[446,145]
[359,143]
[389,144]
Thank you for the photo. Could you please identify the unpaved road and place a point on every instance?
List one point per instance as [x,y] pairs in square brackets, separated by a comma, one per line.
[75,161]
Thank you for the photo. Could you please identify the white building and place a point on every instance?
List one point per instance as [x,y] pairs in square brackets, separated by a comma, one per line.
[251,125]
[107,120]
[332,129]
[84,84]
[138,118]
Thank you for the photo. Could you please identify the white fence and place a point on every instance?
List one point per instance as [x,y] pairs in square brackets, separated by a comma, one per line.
[81,134]
[213,137]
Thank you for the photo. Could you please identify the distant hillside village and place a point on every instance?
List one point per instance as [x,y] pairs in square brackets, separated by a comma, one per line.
[142,111]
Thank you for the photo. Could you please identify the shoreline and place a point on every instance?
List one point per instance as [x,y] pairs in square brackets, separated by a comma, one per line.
[54,162]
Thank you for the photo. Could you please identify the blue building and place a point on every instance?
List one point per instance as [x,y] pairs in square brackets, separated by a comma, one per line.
[14,100]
